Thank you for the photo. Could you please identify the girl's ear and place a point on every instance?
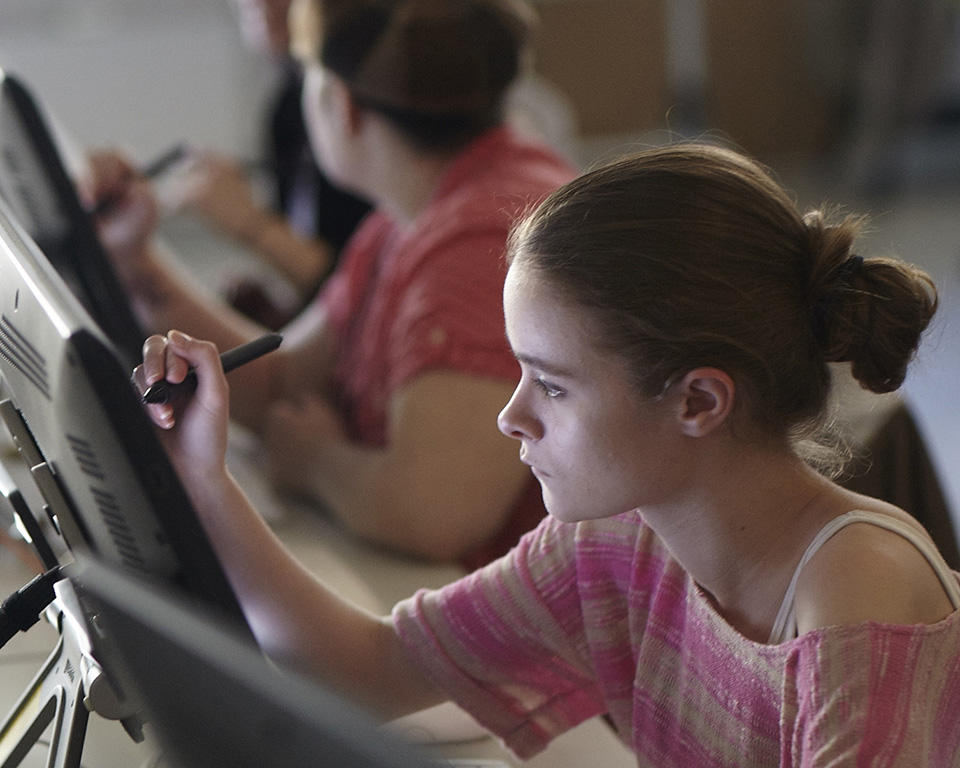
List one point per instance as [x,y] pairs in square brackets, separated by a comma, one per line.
[706,400]
[340,109]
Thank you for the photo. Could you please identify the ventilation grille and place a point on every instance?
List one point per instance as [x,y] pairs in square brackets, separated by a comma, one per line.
[85,457]
[125,545]
[17,351]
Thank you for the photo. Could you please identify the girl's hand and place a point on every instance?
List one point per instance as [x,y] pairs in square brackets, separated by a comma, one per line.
[195,425]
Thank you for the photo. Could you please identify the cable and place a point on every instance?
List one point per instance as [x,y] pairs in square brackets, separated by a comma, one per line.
[22,609]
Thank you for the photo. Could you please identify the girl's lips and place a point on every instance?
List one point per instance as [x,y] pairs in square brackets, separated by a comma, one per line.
[538,473]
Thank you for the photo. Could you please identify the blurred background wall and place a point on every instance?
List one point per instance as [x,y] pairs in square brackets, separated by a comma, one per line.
[138,73]
[791,81]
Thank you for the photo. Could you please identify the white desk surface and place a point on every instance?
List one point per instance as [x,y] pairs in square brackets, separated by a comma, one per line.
[374,578]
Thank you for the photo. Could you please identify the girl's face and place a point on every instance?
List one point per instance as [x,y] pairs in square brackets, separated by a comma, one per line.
[318,116]
[595,447]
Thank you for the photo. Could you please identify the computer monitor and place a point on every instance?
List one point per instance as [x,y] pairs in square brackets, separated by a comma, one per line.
[212,699]
[37,186]
[109,487]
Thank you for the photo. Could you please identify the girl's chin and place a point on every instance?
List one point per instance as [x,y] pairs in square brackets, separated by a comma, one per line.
[566,513]
[563,513]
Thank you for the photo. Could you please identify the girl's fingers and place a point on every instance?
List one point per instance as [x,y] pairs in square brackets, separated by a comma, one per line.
[154,366]
[171,357]
[204,358]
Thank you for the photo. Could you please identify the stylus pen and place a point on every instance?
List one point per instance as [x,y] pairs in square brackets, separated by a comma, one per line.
[150,171]
[164,161]
[163,391]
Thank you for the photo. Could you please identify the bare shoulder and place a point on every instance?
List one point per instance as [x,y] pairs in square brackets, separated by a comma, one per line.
[868,573]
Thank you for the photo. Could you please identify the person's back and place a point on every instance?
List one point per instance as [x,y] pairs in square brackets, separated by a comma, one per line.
[302,228]
[643,643]
[415,115]
[427,295]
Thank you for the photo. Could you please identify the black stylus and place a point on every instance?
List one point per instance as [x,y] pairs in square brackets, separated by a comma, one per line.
[150,171]
[163,391]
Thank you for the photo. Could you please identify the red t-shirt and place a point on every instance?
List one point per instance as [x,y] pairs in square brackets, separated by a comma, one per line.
[407,298]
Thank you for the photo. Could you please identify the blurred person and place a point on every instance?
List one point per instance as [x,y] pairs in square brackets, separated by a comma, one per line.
[310,219]
[382,400]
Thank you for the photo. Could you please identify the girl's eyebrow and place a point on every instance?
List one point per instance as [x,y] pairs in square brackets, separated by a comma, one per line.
[546,366]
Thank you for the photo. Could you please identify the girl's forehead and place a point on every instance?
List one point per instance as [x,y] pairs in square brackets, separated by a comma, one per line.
[539,316]
[524,291]
[543,322]
[526,279]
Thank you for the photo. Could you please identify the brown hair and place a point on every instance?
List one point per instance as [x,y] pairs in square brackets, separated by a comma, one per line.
[438,70]
[691,255]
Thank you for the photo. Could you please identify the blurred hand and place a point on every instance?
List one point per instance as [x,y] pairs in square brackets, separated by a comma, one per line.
[128,211]
[217,189]
[293,434]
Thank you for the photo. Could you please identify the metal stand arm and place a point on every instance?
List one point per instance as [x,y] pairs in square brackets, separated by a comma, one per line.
[67,688]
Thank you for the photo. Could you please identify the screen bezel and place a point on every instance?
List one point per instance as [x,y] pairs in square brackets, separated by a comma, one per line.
[80,258]
[104,471]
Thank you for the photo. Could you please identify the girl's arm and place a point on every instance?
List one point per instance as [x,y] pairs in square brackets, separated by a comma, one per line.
[296,619]
[433,491]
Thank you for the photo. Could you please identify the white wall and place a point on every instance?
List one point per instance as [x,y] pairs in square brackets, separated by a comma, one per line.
[138,73]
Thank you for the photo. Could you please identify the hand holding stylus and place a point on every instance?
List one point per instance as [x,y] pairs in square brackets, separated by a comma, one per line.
[163,391]
[193,428]
[151,170]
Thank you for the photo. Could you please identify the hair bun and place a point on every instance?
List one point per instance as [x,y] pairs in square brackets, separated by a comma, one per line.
[841,279]
[872,316]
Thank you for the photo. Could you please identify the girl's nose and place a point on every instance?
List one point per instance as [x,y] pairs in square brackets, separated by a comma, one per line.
[516,421]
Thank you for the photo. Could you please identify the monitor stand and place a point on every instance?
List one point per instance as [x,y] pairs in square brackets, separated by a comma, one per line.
[55,693]
[71,684]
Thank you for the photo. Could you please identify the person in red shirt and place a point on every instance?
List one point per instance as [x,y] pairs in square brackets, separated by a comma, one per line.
[381,404]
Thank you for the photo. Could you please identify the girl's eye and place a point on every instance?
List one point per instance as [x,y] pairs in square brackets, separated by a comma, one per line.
[548,389]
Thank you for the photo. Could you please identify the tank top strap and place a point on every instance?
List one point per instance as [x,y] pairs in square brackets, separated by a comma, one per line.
[785,624]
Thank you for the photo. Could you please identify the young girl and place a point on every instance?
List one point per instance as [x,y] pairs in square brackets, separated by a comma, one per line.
[697,579]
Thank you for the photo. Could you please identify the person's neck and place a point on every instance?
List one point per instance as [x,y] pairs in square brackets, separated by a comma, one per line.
[404,180]
[743,532]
